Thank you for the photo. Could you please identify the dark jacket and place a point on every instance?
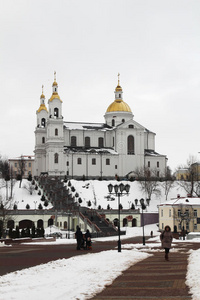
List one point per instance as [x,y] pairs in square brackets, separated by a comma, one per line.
[79,235]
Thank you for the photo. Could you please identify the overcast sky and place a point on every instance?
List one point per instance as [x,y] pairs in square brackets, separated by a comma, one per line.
[153,44]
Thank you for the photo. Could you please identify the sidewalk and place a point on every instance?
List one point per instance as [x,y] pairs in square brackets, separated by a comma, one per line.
[153,278]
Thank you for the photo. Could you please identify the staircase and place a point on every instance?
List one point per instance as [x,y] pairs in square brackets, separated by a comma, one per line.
[61,198]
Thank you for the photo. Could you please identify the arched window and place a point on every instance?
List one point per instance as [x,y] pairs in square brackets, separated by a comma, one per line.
[73,141]
[43,140]
[56,112]
[123,120]
[56,131]
[87,141]
[56,158]
[100,142]
[125,222]
[130,148]
[65,225]
[43,122]
[40,223]
[113,122]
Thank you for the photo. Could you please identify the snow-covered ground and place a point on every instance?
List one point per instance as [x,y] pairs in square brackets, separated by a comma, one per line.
[81,277]
[94,190]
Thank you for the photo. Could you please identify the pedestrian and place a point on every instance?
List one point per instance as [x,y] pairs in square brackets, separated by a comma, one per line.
[79,238]
[166,238]
[88,239]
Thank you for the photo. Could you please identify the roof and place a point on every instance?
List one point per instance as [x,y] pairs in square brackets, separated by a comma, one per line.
[91,150]
[86,126]
[182,201]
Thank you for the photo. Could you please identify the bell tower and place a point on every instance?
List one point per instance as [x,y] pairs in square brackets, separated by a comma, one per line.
[55,136]
[40,136]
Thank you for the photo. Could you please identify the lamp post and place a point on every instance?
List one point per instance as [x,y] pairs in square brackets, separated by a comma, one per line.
[143,206]
[119,191]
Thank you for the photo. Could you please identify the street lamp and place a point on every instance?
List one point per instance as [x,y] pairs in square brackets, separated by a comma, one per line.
[35,204]
[119,191]
[143,206]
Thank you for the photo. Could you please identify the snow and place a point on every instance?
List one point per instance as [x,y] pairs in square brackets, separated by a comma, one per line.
[192,279]
[81,277]
[22,196]
[97,191]
[65,278]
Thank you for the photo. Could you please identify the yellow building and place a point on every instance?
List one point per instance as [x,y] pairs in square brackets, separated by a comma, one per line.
[15,165]
[180,214]
[192,172]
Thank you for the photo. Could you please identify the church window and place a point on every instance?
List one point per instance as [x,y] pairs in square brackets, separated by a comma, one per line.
[115,166]
[158,173]
[157,164]
[43,122]
[100,142]
[93,161]
[149,164]
[107,161]
[123,120]
[73,141]
[130,145]
[67,173]
[87,141]
[113,122]
[113,141]
[67,163]
[56,158]
[56,131]
[119,95]
[56,112]
[130,126]
[79,161]
[43,140]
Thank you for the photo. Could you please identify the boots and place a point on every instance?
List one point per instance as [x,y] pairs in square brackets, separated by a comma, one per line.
[166,256]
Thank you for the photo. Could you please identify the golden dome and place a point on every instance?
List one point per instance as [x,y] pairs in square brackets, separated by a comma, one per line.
[118,89]
[118,105]
[55,96]
[54,83]
[42,107]
[42,96]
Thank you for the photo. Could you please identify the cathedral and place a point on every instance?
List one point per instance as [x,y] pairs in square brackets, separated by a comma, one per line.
[116,147]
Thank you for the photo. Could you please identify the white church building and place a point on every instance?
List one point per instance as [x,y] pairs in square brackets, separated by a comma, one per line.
[117,146]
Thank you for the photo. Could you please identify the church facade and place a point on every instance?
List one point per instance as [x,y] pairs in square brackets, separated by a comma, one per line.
[118,146]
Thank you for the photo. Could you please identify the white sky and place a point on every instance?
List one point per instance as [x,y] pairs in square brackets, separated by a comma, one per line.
[154,45]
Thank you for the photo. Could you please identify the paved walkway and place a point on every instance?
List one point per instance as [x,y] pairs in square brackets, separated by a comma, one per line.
[153,278]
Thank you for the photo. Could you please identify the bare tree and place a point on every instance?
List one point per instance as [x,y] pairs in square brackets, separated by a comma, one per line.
[168,182]
[6,206]
[149,182]
[29,187]
[21,169]
[191,181]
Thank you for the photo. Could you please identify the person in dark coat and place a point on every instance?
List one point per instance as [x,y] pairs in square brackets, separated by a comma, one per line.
[166,238]
[79,238]
[88,239]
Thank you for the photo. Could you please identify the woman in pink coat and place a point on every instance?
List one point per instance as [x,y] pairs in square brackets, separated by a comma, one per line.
[166,238]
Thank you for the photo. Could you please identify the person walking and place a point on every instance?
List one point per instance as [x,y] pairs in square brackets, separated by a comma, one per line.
[166,238]
[88,240]
[79,238]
